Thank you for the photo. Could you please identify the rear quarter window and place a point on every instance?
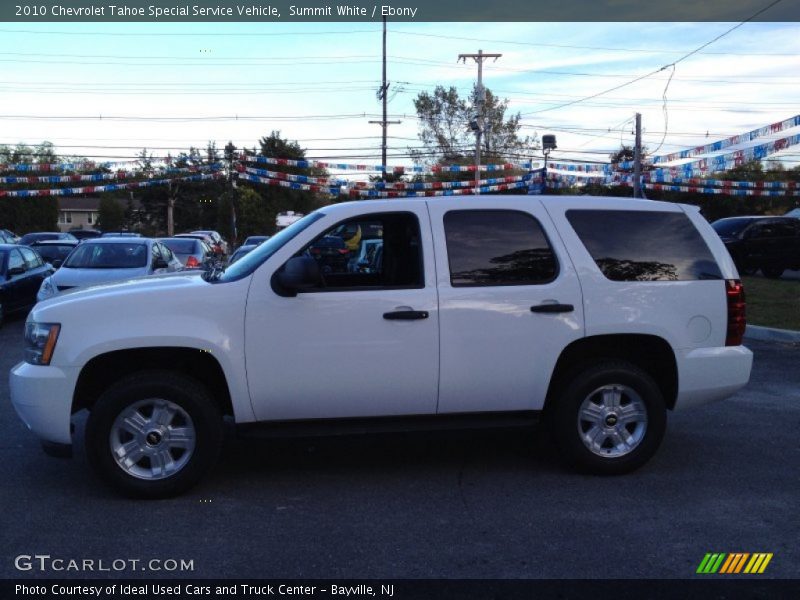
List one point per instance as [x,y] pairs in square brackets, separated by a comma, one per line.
[632,245]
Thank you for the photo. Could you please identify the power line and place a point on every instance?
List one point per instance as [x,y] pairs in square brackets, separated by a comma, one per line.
[101,117]
[672,64]
[577,47]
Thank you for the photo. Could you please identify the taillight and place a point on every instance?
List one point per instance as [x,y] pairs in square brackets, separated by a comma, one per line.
[315,251]
[344,250]
[734,291]
[192,263]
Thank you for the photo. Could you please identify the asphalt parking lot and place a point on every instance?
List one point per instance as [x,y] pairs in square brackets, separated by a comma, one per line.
[453,505]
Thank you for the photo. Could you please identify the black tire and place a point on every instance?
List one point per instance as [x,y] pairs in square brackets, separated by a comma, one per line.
[569,432]
[2,314]
[773,272]
[205,421]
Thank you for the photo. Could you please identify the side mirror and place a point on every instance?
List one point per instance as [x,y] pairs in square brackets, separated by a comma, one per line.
[299,273]
[160,263]
[14,271]
[57,263]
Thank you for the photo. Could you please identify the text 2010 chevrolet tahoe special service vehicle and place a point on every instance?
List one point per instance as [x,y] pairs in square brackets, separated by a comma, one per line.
[599,314]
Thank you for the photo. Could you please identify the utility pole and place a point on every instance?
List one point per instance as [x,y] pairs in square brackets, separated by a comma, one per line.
[230,156]
[172,196]
[478,124]
[382,94]
[637,159]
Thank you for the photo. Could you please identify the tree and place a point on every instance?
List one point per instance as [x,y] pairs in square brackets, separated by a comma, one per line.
[626,154]
[444,129]
[28,214]
[111,214]
[274,199]
[212,154]
[45,153]
[254,215]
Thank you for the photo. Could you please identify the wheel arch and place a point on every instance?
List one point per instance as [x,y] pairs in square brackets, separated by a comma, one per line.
[104,369]
[651,353]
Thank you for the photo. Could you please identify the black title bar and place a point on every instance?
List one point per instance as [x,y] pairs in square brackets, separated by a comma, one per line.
[151,11]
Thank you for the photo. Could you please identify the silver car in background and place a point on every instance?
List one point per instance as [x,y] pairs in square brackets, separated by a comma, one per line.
[103,260]
[193,253]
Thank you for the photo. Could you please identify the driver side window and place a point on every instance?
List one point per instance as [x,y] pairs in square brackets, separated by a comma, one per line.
[374,251]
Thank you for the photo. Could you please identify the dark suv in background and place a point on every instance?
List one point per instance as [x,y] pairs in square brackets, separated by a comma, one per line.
[771,244]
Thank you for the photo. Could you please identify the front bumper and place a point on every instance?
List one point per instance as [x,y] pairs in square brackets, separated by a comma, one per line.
[42,397]
[709,374]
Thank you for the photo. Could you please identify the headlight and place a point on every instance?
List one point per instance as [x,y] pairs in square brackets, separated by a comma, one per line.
[46,290]
[40,342]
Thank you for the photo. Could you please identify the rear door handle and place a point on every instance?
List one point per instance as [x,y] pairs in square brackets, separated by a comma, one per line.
[552,308]
[406,315]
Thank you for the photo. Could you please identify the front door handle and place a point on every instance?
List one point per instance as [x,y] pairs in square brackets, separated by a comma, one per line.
[406,315]
[552,307]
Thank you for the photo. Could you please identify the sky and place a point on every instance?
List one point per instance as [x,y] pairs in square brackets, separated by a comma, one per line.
[182,84]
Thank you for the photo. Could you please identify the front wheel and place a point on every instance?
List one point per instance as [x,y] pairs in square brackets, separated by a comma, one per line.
[609,419]
[153,434]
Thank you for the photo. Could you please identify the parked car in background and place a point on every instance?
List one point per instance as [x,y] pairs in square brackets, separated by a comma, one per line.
[255,240]
[22,271]
[216,248]
[218,240]
[771,244]
[193,253]
[241,251]
[108,234]
[331,253]
[54,251]
[29,238]
[8,237]
[104,260]
[85,234]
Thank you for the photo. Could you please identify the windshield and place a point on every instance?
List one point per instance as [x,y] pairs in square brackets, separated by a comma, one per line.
[250,262]
[730,227]
[119,255]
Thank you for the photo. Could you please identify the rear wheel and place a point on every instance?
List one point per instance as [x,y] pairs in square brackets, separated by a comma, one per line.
[609,419]
[153,434]
[773,272]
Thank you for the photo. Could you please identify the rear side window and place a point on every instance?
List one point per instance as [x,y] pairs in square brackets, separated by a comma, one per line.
[632,245]
[497,247]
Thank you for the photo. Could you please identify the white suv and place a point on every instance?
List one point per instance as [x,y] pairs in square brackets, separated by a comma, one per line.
[596,314]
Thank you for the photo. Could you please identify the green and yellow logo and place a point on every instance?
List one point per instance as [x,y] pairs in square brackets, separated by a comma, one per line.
[738,562]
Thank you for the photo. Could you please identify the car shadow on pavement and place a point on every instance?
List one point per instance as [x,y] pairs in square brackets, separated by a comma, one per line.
[442,450]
